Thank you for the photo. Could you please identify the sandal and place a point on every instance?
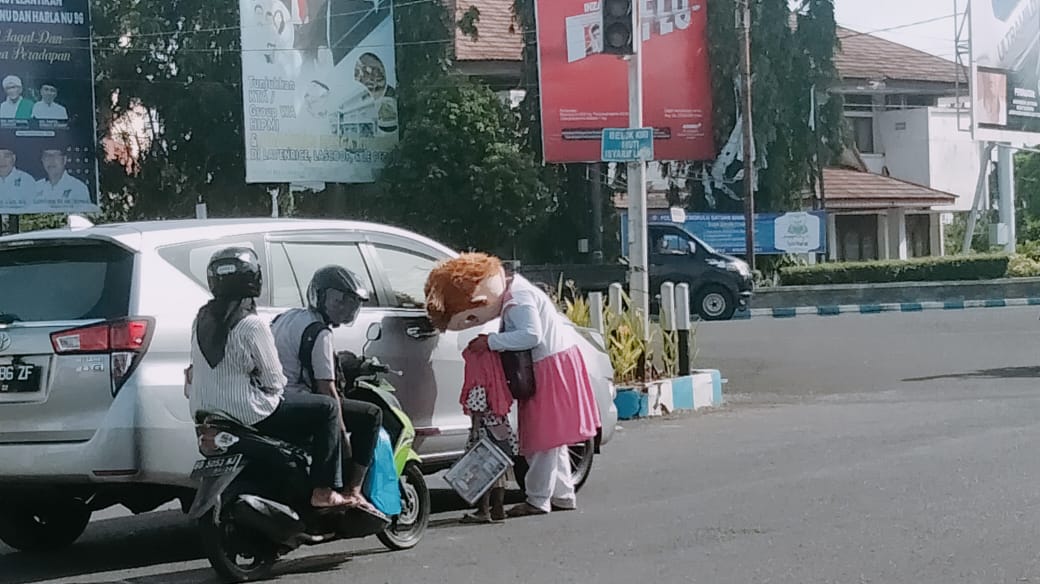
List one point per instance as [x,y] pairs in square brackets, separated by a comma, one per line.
[362,504]
[525,510]
[341,503]
[476,519]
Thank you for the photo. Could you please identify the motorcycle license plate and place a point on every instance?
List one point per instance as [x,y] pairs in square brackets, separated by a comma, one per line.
[215,467]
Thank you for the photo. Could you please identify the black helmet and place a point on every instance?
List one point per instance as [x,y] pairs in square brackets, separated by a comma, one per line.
[234,273]
[343,280]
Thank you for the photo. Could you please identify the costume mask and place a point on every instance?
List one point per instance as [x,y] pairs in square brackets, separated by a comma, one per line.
[465,292]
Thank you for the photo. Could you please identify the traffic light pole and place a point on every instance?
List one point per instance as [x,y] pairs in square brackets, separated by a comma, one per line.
[638,280]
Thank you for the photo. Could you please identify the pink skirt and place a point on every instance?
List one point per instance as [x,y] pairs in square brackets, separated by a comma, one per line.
[563,410]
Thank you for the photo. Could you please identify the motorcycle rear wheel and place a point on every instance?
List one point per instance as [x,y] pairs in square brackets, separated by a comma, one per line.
[408,528]
[235,555]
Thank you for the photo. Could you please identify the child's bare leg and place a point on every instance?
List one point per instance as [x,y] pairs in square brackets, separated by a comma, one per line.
[482,515]
[498,500]
[485,504]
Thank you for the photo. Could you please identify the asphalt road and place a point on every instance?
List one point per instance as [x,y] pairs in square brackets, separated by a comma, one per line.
[885,448]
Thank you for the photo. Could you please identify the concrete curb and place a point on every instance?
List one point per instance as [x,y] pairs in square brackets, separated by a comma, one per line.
[879,308]
[700,390]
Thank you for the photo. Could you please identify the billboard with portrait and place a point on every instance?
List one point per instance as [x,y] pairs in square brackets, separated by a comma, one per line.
[1005,40]
[584,91]
[48,161]
[319,87]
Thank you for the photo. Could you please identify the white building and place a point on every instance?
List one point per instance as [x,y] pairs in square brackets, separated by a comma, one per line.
[899,106]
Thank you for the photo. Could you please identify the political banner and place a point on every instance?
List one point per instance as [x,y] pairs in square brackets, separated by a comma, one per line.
[584,91]
[48,161]
[1005,40]
[319,87]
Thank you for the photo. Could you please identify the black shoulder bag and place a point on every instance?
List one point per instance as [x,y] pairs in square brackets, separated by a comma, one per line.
[519,369]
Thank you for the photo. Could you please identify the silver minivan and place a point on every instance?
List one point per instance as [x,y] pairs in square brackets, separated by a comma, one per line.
[94,337]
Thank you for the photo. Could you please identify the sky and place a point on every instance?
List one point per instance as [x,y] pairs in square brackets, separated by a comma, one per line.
[873,15]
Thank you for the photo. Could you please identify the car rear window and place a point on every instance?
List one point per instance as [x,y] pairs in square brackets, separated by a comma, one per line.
[65,281]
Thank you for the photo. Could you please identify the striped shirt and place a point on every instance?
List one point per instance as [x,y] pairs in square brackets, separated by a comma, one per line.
[248,383]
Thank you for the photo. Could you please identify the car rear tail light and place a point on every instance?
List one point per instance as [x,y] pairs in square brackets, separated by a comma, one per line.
[125,340]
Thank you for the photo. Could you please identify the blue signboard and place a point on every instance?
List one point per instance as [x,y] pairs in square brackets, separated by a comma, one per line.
[775,233]
[627,144]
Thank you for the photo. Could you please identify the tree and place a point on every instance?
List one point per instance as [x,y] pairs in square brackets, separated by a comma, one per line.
[1027,194]
[792,64]
[177,63]
[459,174]
[788,62]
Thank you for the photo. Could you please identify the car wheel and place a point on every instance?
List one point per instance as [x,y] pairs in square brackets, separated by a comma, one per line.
[43,526]
[715,302]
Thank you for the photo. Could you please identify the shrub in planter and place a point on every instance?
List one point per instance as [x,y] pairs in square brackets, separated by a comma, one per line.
[1023,266]
[972,267]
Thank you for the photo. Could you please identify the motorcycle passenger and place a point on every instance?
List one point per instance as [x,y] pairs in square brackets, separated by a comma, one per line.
[234,372]
[334,298]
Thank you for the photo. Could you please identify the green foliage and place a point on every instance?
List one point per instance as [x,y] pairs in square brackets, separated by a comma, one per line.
[788,67]
[179,64]
[1023,266]
[950,268]
[1025,263]
[954,234]
[459,175]
[1027,194]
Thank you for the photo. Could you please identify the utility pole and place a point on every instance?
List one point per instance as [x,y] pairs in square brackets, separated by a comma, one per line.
[596,177]
[744,24]
[639,283]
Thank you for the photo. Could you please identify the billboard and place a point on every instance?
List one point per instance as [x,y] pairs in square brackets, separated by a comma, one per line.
[48,161]
[1005,39]
[775,233]
[584,91]
[319,87]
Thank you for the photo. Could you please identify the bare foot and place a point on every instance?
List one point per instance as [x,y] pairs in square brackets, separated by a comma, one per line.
[325,498]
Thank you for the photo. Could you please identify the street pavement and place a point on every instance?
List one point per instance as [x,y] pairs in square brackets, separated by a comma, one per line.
[855,449]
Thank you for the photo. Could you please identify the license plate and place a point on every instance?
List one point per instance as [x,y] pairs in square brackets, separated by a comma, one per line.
[215,467]
[19,378]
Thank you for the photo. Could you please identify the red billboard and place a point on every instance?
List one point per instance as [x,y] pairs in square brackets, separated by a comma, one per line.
[584,91]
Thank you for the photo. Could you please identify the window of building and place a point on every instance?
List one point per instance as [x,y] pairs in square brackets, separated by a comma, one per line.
[863,132]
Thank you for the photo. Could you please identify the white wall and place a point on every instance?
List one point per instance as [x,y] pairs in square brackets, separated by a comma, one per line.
[924,146]
[902,135]
[954,158]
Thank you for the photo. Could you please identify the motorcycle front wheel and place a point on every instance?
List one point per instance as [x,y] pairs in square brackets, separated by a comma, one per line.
[408,528]
[235,554]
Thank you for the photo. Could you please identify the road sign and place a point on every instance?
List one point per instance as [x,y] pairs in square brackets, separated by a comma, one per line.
[628,144]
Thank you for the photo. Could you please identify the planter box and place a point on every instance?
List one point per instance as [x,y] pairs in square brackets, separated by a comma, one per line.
[632,403]
[702,389]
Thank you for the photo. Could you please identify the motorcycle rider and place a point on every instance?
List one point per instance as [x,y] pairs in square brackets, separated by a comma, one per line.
[303,337]
[234,372]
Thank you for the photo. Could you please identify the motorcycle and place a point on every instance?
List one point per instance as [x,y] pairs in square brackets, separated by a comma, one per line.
[253,500]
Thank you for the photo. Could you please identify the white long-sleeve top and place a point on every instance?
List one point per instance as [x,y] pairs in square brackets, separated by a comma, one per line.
[532,322]
[248,383]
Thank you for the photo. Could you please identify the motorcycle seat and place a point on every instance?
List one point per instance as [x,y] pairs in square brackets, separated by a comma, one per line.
[222,422]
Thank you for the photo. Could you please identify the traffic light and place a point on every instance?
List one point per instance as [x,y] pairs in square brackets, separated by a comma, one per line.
[618,26]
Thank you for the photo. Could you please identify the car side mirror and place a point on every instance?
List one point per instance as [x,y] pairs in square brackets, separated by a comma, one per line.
[374,332]
[693,248]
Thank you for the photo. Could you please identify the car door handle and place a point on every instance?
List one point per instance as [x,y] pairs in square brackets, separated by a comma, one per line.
[420,333]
